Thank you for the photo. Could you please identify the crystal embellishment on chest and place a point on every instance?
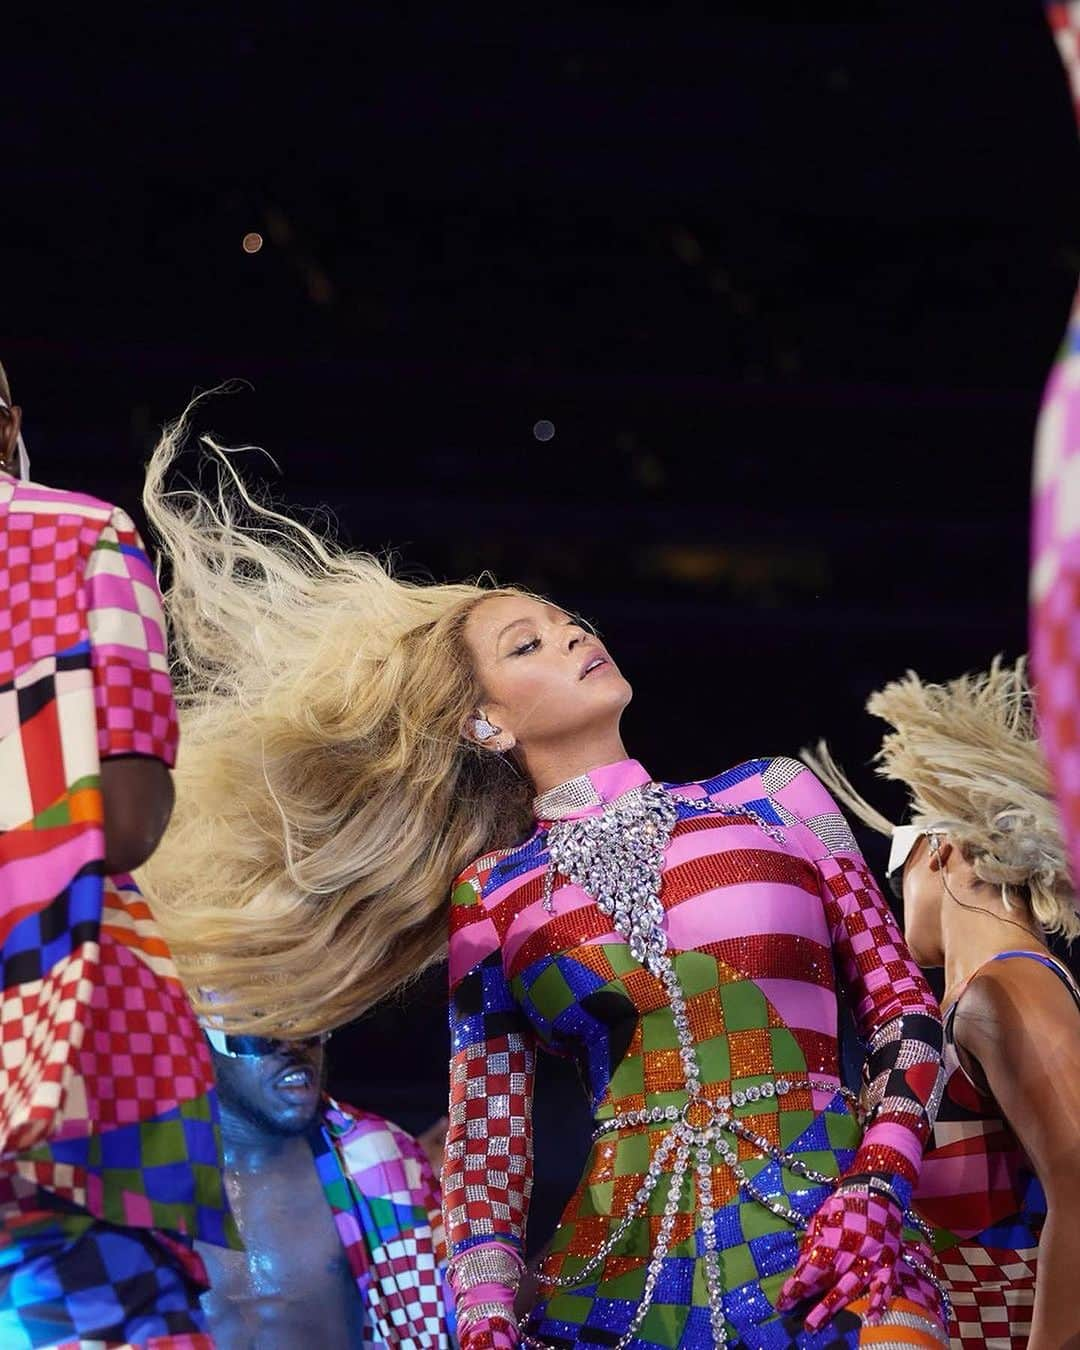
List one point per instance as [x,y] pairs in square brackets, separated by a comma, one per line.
[617,857]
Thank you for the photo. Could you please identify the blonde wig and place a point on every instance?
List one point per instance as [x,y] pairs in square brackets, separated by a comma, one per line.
[325,796]
[968,751]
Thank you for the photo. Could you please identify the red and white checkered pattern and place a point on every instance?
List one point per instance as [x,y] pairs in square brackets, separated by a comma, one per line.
[41,1030]
[487,1190]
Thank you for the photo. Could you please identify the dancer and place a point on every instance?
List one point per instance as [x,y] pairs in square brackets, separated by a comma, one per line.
[108,1125]
[353,742]
[338,1209]
[983,876]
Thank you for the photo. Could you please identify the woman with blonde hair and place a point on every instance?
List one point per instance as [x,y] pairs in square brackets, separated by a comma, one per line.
[982,871]
[354,742]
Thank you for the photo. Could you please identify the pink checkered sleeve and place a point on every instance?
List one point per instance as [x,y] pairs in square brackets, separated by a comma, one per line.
[1055,529]
[136,712]
[852,1244]
[895,1009]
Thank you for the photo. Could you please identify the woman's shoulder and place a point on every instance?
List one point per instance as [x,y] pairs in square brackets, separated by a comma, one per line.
[40,499]
[495,869]
[780,778]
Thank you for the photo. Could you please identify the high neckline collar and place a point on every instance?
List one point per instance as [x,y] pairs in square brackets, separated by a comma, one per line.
[590,792]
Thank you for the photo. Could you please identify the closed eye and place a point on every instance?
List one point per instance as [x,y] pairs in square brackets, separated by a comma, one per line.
[526,647]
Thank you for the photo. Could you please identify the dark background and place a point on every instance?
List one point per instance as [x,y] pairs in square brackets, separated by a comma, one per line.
[788,291]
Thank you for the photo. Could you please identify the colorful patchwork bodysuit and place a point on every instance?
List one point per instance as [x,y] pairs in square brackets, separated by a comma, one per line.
[761,907]
[979,1192]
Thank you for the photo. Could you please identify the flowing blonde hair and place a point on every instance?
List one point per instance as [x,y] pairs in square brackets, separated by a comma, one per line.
[325,796]
[968,751]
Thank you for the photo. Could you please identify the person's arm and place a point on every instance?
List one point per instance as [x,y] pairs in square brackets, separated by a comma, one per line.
[1020,1024]
[853,1241]
[136,714]
[487,1172]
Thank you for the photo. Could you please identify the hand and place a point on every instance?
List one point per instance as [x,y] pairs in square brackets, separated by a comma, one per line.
[490,1333]
[851,1248]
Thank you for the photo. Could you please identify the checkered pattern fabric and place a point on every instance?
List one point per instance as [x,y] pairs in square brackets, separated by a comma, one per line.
[755,926]
[1055,530]
[69,1280]
[106,1088]
[386,1206]
[980,1194]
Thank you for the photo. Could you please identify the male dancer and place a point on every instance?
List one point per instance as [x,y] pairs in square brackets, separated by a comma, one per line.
[338,1209]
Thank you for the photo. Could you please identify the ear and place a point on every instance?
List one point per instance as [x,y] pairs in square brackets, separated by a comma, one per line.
[939,856]
[10,426]
[478,730]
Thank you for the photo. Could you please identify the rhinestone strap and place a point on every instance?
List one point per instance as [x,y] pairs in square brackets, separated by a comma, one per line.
[491,1263]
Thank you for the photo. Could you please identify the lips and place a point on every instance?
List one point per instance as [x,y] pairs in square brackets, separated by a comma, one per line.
[594,663]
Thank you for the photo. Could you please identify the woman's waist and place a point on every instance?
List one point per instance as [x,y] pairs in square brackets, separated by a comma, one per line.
[714,1102]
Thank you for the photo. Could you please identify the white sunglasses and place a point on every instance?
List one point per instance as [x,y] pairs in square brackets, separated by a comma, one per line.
[904,839]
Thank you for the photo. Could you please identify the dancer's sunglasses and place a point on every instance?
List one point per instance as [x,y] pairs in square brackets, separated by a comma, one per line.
[255,1047]
[904,839]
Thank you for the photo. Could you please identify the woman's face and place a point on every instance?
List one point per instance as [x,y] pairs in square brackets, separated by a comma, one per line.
[545,678]
[922,906]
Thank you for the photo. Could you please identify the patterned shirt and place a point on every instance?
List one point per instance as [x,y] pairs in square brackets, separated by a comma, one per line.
[386,1206]
[106,1086]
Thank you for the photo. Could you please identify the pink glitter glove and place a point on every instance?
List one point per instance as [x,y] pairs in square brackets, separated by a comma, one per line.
[484,1280]
[851,1248]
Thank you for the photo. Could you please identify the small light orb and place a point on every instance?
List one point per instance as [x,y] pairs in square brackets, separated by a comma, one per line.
[252,242]
[544,430]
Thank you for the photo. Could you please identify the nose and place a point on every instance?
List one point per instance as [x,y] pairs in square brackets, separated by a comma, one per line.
[577,636]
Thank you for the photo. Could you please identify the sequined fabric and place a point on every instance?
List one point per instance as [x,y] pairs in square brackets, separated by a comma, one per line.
[755,927]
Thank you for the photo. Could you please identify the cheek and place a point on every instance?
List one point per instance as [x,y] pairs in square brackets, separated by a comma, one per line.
[527,687]
[918,902]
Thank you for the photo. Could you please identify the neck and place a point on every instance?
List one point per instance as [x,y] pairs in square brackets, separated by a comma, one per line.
[972,936]
[249,1145]
[548,766]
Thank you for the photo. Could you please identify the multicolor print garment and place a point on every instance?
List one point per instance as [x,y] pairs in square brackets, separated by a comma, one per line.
[107,1110]
[385,1201]
[980,1194]
[754,925]
[1055,530]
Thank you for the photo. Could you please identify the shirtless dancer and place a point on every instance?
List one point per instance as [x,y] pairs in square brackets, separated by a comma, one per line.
[328,1200]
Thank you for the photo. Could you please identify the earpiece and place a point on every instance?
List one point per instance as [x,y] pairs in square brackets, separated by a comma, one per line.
[483,729]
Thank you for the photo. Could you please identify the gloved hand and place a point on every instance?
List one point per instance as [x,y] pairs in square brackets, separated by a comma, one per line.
[851,1248]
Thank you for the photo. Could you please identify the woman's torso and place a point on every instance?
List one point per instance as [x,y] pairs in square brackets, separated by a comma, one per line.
[979,1192]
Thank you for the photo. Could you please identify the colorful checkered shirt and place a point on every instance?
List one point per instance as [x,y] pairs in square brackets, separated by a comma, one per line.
[386,1206]
[106,1085]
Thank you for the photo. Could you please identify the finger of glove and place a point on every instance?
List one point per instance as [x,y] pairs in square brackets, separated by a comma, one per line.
[882,1288]
[809,1279]
[842,1293]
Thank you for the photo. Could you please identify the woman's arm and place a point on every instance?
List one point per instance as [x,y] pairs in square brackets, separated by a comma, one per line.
[854,1240]
[1022,1026]
[487,1172]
